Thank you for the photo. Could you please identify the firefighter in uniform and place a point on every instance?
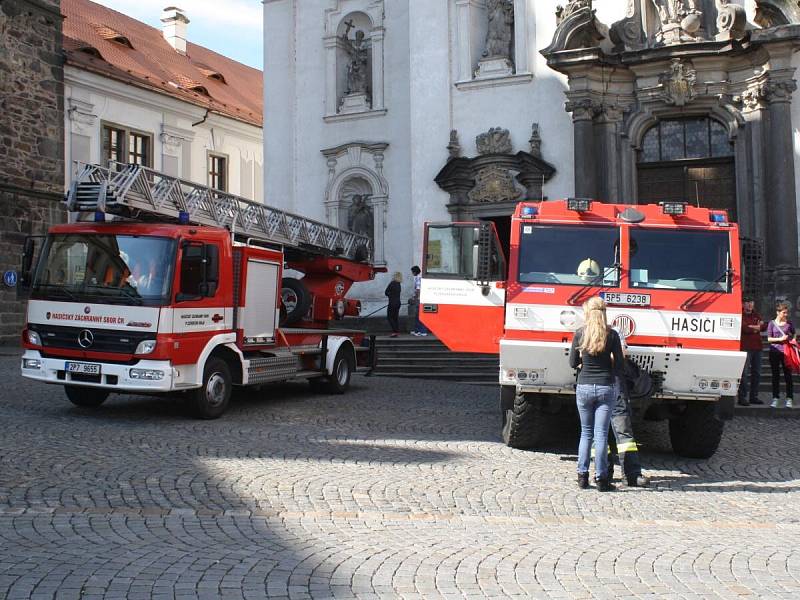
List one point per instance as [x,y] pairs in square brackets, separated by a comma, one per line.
[622,445]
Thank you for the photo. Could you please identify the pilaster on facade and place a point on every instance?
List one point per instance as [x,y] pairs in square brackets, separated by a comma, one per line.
[172,138]
[81,116]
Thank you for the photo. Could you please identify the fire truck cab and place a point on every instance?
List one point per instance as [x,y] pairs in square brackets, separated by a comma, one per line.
[669,273]
[177,288]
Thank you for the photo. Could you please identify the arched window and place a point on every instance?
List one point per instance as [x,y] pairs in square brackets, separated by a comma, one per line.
[688,160]
[680,139]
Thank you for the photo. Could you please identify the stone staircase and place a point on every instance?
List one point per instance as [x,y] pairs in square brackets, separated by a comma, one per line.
[428,358]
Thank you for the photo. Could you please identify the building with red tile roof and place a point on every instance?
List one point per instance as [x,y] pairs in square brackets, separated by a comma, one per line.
[136,93]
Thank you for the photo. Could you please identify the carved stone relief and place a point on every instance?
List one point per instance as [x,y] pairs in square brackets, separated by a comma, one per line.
[494,141]
[495,180]
[731,21]
[678,83]
[497,60]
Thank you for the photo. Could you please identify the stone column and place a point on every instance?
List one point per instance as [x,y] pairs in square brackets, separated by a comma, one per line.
[331,98]
[781,233]
[583,132]
[607,164]
[752,206]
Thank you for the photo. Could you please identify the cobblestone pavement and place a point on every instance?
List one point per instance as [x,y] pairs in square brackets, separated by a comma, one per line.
[397,489]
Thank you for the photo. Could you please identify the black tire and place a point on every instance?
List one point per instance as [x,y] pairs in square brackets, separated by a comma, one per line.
[295,299]
[85,396]
[697,431]
[343,366]
[525,424]
[211,400]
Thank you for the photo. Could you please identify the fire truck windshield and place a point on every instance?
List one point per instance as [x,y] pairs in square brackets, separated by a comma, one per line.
[105,269]
[676,259]
[569,254]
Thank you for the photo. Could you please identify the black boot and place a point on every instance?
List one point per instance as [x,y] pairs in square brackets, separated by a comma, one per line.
[639,481]
[583,480]
[604,485]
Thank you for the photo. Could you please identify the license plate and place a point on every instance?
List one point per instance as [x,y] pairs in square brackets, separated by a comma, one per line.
[85,368]
[624,299]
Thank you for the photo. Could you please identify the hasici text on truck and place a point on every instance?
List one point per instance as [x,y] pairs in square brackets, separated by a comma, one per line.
[182,290]
[669,273]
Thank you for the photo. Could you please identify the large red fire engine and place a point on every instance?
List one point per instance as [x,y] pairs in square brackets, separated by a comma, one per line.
[669,273]
[182,290]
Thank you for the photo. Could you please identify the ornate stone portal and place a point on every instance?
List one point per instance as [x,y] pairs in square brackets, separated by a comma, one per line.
[492,183]
[668,60]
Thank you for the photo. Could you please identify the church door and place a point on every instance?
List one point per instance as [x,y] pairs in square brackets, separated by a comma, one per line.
[688,160]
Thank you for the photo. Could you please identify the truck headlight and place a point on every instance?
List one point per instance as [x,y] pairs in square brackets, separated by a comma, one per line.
[34,338]
[145,347]
[31,363]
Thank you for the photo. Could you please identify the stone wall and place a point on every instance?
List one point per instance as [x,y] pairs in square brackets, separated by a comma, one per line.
[31,137]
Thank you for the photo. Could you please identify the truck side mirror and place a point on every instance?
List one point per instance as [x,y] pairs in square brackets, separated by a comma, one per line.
[25,275]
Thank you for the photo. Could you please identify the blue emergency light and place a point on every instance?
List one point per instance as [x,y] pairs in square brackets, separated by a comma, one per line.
[99,216]
[529,211]
[718,218]
[183,218]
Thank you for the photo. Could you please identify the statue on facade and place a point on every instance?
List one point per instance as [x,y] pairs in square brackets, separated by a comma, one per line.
[679,19]
[358,51]
[360,219]
[501,29]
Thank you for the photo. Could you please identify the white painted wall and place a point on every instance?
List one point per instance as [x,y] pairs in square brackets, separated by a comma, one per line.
[91,100]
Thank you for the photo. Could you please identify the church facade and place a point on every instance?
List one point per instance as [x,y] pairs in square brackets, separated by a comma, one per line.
[382,115]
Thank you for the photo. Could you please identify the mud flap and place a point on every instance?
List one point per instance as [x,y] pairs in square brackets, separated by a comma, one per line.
[725,408]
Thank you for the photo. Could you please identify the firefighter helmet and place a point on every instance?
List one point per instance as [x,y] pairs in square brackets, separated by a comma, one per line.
[588,269]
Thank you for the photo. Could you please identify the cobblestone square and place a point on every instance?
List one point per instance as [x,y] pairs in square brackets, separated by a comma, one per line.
[398,489]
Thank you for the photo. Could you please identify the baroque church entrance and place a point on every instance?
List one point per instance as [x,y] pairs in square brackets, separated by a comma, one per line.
[688,159]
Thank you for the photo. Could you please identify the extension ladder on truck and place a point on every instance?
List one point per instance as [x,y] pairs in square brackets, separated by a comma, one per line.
[144,194]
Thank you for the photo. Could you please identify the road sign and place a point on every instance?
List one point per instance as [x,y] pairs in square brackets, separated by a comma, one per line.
[10,278]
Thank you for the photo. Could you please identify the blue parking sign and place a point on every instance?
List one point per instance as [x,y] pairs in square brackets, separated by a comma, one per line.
[10,278]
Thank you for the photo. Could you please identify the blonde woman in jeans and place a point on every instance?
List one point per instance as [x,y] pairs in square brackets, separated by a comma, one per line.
[597,351]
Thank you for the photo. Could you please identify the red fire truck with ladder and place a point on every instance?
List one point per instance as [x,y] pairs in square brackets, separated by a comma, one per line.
[669,273]
[182,290]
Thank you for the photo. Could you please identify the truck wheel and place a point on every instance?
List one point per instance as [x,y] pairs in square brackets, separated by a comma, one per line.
[85,396]
[524,425]
[343,366]
[212,399]
[697,432]
[296,300]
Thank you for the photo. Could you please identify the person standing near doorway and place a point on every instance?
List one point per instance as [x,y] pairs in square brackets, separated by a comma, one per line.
[417,328]
[751,344]
[393,309]
[779,332]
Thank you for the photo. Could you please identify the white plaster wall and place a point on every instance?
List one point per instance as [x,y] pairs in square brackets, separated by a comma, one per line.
[114,102]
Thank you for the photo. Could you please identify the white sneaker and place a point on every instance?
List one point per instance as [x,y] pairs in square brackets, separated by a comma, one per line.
[776,403]
[789,403]
[422,334]
[415,333]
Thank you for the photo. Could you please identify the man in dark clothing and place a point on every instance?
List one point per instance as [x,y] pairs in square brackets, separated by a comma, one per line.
[751,343]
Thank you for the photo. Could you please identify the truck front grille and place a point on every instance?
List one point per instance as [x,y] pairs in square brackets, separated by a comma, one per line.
[104,340]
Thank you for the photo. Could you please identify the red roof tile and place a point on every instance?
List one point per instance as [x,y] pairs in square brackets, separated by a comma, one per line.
[94,40]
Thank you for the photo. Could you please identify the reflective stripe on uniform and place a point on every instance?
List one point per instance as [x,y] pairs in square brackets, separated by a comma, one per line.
[627,447]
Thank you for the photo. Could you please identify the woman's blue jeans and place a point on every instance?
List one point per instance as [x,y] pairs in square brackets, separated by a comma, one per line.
[594,407]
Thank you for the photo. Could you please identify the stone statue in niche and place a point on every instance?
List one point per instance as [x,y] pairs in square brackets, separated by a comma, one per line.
[501,29]
[497,56]
[358,50]
[359,216]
